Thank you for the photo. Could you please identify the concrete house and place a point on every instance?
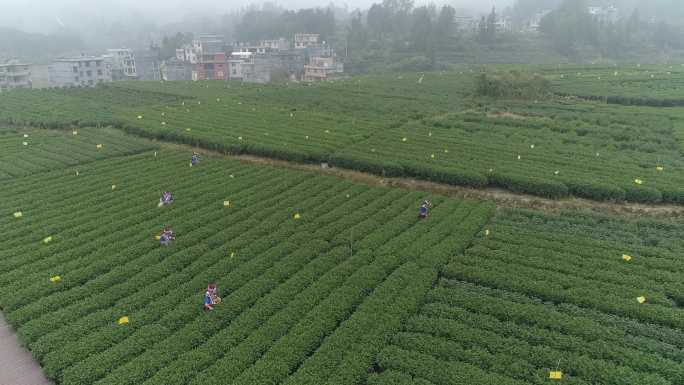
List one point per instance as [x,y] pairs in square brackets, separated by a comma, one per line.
[85,71]
[14,75]
[122,63]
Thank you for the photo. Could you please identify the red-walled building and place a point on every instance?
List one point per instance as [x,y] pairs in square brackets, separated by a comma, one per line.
[212,67]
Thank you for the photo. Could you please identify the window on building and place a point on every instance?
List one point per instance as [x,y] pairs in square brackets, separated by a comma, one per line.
[75,69]
[76,79]
[87,64]
[99,64]
[89,73]
[99,72]
[81,73]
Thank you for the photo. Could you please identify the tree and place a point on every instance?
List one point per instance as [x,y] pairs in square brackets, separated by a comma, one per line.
[482,28]
[421,31]
[491,26]
[444,28]
[357,37]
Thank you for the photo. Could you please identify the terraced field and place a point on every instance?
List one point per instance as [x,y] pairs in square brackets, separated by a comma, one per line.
[314,271]
[596,298]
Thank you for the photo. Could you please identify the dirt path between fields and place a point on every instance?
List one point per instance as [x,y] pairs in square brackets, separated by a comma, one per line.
[502,198]
[17,366]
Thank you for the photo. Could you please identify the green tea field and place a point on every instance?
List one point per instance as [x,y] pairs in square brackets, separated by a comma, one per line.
[330,277]
[427,126]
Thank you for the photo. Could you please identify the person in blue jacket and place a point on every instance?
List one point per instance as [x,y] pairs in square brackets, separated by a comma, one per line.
[424,208]
[211,297]
[195,158]
[166,236]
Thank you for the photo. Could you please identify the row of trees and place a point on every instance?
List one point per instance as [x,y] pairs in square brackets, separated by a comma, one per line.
[571,27]
[270,22]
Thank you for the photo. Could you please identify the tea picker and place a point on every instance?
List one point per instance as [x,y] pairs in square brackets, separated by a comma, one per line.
[195,159]
[424,208]
[166,198]
[166,236]
[211,297]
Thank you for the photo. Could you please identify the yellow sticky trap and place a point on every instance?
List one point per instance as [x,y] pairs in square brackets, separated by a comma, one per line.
[160,204]
[231,176]
[123,320]
[113,187]
[487,232]
[163,123]
[307,137]
[55,279]
[491,170]
[190,164]
[641,299]
[556,172]
[432,156]
[139,116]
[519,157]
[429,133]
[239,138]
[638,181]
[532,146]
[232,254]
[74,132]
[47,239]
[24,143]
[155,154]
[404,139]
[660,168]
[99,146]
[157,237]
[226,203]
[556,375]
[198,102]
[348,195]
[327,131]
[372,150]
[297,216]
[626,257]
[76,172]
[188,129]
[25,135]
[163,114]
[291,115]
[446,151]
[18,214]
[218,100]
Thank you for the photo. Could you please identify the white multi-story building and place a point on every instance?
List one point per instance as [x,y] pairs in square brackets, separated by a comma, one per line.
[322,68]
[80,71]
[122,63]
[14,75]
[276,44]
[609,14]
[307,40]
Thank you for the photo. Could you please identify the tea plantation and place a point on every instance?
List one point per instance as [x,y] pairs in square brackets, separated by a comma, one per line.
[330,281]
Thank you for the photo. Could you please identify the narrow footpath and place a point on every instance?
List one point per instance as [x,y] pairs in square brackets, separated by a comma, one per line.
[17,366]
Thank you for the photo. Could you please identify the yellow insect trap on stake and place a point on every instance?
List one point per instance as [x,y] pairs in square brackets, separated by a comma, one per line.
[47,239]
[226,203]
[556,375]
[113,187]
[641,299]
[626,257]
[99,146]
[140,117]
[24,143]
[74,132]
[487,232]
[55,279]
[123,320]
[660,168]
[18,214]
[297,216]
[638,181]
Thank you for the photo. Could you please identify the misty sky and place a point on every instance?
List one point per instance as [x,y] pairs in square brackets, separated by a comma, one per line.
[46,15]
